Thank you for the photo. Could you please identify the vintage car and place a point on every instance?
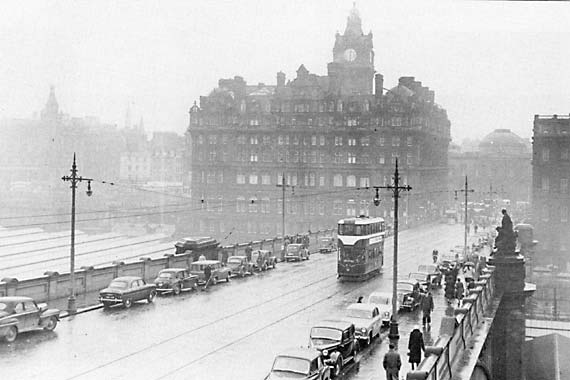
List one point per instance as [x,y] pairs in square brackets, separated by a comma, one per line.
[447,261]
[433,272]
[327,245]
[296,252]
[263,259]
[337,342]
[175,280]
[410,293]
[21,314]
[299,363]
[423,278]
[383,301]
[239,266]
[460,254]
[219,272]
[366,319]
[126,290]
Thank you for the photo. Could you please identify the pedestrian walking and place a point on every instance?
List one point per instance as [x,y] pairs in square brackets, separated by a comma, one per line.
[248,251]
[416,346]
[360,298]
[207,276]
[459,291]
[427,307]
[392,363]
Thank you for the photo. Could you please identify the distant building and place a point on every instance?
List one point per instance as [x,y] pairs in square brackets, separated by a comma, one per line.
[500,169]
[326,137]
[551,195]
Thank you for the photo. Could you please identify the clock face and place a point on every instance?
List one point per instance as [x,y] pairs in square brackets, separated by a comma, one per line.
[350,55]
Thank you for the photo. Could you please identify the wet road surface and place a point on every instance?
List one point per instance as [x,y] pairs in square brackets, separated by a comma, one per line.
[228,331]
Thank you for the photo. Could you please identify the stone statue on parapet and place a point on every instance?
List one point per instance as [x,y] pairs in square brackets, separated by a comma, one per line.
[506,240]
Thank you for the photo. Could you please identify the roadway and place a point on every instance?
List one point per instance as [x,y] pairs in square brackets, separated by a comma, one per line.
[228,331]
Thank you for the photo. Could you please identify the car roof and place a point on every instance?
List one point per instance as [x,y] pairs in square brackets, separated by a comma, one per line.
[206,262]
[383,294]
[14,299]
[172,270]
[294,244]
[361,306]
[301,352]
[237,257]
[127,278]
[339,325]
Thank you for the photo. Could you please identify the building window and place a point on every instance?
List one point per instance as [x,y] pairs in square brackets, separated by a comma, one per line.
[394,158]
[364,208]
[200,139]
[266,140]
[365,159]
[253,157]
[295,156]
[545,184]
[322,140]
[544,214]
[410,140]
[221,177]
[212,139]
[265,179]
[337,180]
[381,159]
[564,214]
[253,179]
[351,122]
[313,156]
[279,205]
[321,181]
[564,154]
[338,157]
[240,180]
[253,140]
[313,140]
[241,139]
[564,185]
[381,141]
[312,181]
[396,121]
[364,182]
[338,207]
[365,141]
[351,208]
[280,140]
[212,155]
[265,205]
[266,156]
[253,204]
[396,141]
[409,159]
[211,177]
[545,154]
[351,158]
[253,122]
[321,207]
[338,140]
[295,140]
[240,204]
[351,181]
[351,142]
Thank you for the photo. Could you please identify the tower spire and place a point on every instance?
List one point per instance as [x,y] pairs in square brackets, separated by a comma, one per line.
[353,22]
[51,109]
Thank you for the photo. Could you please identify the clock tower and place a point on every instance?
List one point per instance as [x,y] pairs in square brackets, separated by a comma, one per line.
[352,70]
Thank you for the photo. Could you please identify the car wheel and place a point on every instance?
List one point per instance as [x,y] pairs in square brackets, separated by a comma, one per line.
[242,272]
[264,267]
[11,334]
[176,290]
[127,303]
[337,366]
[51,323]
[151,296]
[214,280]
[195,286]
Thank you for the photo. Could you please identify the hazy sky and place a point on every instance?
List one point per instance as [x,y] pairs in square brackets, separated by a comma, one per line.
[491,64]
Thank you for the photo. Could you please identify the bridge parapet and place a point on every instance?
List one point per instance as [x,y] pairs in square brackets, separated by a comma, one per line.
[459,329]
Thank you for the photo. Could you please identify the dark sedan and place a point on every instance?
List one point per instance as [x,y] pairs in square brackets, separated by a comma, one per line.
[175,280]
[126,290]
[20,314]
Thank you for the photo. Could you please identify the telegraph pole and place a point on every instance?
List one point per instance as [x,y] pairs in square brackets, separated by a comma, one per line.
[396,189]
[283,186]
[74,179]
[466,190]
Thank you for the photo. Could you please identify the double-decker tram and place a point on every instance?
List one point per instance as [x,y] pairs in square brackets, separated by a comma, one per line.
[361,247]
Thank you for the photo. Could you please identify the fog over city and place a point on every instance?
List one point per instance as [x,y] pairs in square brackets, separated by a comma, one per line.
[492,64]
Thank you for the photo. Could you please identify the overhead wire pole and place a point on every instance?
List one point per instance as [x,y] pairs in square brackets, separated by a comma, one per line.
[396,189]
[74,179]
[466,190]
[283,186]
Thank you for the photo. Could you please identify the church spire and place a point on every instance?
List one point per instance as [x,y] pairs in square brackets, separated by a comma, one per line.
[353,22]
[51,109]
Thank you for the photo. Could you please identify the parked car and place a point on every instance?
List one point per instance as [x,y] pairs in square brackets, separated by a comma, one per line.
[263,259]
[366,319]
[327,245]
[447,261]
[409,294]
[219,272]
[175,280]
[433,272]
[337,342]
[422,278]
[383,301]
[296,252]
[126,290]
[21,314]
[299,363]
[239,266]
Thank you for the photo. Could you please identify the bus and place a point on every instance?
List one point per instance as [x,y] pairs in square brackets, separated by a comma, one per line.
[360,247]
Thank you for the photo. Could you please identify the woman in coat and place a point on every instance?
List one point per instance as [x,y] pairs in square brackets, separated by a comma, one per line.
[416,346]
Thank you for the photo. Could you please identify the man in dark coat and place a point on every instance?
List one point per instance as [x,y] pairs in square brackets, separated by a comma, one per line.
[207,275]
[427,307]
[416,346]
[392,363]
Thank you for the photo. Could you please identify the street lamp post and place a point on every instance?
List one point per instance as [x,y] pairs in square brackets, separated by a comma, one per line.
[74,179]
[396,188]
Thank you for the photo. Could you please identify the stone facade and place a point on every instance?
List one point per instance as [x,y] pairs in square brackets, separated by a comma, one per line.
[551,194]
[329,136]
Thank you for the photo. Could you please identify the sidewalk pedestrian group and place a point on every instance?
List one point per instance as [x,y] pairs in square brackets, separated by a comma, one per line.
[392,363]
